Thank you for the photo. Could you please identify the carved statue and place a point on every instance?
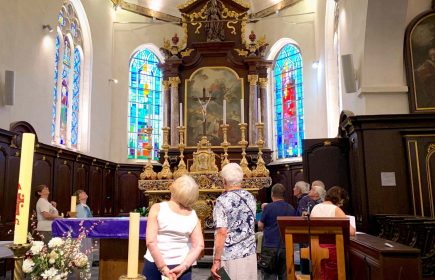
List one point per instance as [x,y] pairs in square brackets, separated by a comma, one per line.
[213,26]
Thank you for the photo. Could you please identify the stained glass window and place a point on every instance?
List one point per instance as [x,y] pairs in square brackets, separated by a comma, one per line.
[144,104]
[289,110]
[65,125]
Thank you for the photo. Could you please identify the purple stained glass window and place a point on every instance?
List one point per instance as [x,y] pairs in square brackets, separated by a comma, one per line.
[289,111]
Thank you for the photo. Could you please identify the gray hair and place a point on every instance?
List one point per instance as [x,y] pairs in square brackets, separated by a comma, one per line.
[232,173]
[320,191]
[303,186]
[185,191]
[318,183]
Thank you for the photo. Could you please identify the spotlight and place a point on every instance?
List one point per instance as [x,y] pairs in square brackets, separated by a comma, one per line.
[315,64]
[47,27]
[115,81]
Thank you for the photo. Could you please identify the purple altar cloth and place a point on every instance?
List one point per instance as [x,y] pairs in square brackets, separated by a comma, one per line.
[116,228]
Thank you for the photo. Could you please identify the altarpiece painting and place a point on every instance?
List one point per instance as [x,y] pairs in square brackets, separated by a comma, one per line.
[204,94]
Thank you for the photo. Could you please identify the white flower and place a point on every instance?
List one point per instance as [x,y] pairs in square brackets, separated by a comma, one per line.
[55,242]
[80,260]
[28,265]
[36,247]
[49,273]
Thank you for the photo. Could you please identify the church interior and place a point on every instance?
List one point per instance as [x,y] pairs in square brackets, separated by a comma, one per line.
[126,95]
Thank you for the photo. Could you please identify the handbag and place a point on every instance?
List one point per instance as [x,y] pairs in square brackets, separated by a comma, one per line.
[267,259]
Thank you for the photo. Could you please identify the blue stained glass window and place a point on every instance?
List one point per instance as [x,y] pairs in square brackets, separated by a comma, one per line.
[65,92]
[56,70]
[289,111]
[144,104]
[75,98]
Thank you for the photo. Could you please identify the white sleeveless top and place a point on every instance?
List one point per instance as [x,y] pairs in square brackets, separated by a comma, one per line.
[323,210]
[173,236]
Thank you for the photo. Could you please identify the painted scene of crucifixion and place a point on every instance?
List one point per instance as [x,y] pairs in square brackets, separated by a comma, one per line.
[205,92]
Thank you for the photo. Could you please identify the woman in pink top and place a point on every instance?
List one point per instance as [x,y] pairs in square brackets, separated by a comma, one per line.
[174,236]
[334,199]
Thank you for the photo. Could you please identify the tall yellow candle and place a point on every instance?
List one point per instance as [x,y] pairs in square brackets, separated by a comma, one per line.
[73,203]
[133,245]
[24,188]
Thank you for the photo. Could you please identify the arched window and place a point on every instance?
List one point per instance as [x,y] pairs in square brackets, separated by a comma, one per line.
[145,92]
[288,102]
[68,76]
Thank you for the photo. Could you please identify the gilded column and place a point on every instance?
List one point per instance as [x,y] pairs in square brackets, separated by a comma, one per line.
[253,95]
[175,110]
[264,110]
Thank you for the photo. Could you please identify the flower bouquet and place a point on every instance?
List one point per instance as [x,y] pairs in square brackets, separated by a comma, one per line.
[57,259]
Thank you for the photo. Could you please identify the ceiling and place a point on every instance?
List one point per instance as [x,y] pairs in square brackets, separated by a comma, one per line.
[167,9]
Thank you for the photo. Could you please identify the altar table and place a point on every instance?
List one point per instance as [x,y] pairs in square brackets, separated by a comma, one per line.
[113,235]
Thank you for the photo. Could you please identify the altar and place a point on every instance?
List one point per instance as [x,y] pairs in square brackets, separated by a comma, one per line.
[113,238]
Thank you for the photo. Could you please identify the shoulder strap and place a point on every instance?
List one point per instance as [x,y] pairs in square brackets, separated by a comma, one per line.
[244,201]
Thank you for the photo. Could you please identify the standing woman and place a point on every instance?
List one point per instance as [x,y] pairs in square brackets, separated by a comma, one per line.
[173,235]
[45,212]
[83,211]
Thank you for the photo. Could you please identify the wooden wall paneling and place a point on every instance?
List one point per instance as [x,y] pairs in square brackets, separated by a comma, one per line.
[42,175]
[108,191]
[96,190]
[81,176]
[3,155]
[421,169]
[62,186]
[12,167]
[384,151]
[128,196]
[287,174]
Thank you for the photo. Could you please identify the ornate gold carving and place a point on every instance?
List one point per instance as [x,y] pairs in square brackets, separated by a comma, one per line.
[182,169]
[194,17]
[430,148]
[149,173]
[263,82]
[225,145]
[226,13]
[204,160]
[166,170]
[240,52]
[252,80]
[186,52]
[174,81]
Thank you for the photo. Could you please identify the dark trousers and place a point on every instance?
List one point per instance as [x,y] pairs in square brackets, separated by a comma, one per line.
[280,271]
[151,272]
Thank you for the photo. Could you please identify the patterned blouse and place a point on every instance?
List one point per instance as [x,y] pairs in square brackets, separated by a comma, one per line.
[235,210]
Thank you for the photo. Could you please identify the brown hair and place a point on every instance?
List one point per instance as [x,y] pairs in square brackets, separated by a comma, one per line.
[79,191]
[336,195]
[39,189]
[278,190]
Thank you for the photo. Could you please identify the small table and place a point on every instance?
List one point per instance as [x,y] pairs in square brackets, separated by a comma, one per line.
[113,235]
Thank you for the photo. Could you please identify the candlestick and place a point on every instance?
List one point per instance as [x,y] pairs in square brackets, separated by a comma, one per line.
[182,169]
[24,186]
[259,110]
[244,163]
[260,170]
[225,144]
[73,203]
[181,114]
[133,245]
[166,170]
[149,173]
[225,111]
[19,251]
[242,111]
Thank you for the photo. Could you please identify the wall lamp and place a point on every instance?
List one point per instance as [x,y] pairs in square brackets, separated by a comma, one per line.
[47,27]
[315,64]
[115,81]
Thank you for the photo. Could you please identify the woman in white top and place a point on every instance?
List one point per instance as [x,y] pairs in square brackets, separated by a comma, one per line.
[334,199]
[173,235]
[45,212]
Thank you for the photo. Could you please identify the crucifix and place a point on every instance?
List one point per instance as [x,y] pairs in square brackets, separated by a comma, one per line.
[203,102]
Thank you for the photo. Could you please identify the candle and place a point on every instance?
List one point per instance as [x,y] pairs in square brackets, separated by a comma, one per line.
[73,203]
[242,111]
[133,245]
[259,110]
[24,186]
[181,114]
[225,111]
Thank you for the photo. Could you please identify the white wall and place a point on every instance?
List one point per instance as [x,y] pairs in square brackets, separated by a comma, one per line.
[29,51]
